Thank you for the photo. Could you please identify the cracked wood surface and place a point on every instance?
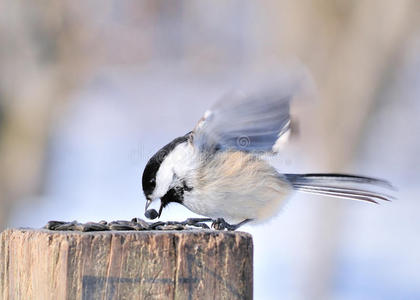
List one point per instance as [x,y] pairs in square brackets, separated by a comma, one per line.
[196,264]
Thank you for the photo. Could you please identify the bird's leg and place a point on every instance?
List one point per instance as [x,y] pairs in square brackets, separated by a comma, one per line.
[221,224]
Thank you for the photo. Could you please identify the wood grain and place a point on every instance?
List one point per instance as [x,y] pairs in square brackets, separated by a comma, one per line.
[196,264]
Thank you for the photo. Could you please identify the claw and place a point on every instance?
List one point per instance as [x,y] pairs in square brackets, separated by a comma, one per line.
[221,224]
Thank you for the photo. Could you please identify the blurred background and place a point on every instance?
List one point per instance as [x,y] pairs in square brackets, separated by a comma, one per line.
[90,90]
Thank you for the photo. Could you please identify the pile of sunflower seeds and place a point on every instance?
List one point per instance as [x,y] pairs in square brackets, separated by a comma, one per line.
[136,224]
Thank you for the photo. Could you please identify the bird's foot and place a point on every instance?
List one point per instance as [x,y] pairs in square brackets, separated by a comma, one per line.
[221,224]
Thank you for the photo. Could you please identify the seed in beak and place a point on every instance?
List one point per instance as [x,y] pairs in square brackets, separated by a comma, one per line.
[151,214]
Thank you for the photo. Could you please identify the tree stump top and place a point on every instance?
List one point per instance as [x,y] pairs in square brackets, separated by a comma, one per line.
[211,232]
[188,264]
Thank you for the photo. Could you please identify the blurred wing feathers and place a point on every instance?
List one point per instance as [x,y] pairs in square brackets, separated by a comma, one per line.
[245,122]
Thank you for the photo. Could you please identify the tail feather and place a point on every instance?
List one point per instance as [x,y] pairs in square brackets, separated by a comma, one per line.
[337,185]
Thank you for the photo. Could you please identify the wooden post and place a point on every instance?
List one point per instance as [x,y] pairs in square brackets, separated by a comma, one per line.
[190,264]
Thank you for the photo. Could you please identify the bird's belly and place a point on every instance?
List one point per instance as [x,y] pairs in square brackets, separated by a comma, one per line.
[258,204]
[236,186]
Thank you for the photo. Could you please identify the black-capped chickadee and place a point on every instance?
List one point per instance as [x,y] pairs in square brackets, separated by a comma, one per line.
[217,170]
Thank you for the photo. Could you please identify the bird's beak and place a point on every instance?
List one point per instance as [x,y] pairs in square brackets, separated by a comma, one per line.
[148,202]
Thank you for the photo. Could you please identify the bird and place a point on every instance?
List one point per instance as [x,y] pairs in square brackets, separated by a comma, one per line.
[217,170]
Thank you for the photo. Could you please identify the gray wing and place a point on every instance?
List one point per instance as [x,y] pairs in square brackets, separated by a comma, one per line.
[245,121]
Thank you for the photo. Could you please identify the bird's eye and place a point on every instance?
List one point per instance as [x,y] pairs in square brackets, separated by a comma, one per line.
[152,180]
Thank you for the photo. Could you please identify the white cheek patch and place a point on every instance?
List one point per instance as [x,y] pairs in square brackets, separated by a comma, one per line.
[163,180]
[175,165]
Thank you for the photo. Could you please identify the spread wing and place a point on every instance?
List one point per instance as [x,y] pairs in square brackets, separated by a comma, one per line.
[245,121]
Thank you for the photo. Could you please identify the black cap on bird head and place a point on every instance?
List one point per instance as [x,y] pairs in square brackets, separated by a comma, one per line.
[151,169]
